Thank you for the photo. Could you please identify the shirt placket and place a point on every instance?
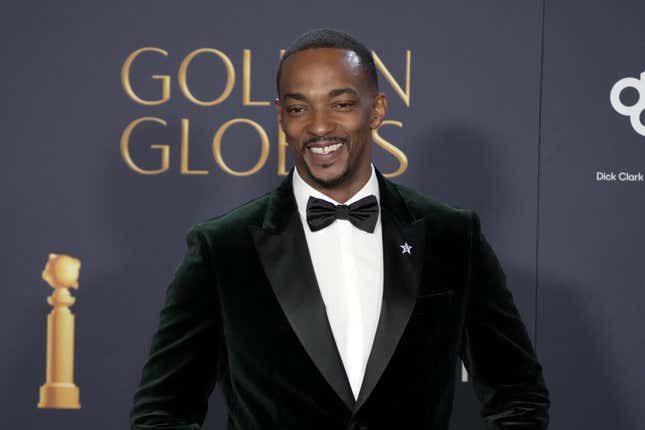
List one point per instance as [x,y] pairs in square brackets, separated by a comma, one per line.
[353,308]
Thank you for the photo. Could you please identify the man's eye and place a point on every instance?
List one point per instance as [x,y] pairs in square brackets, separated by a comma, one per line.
[295,109]
[344,105]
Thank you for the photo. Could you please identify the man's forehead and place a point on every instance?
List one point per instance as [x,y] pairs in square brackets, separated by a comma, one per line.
[321,56]
[321,69]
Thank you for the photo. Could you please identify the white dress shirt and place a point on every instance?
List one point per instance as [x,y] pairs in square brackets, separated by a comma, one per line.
[348,263]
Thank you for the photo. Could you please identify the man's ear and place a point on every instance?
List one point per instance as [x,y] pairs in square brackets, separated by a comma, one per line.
[379,107]
[278,108]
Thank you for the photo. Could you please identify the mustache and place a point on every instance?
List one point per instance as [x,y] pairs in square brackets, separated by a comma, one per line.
[323,138]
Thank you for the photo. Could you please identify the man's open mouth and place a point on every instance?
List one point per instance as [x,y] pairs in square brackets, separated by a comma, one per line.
[326,149]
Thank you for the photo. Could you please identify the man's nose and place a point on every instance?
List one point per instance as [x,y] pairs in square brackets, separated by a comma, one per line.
[321,123]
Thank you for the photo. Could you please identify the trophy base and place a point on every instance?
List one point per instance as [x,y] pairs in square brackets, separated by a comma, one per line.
[59,396]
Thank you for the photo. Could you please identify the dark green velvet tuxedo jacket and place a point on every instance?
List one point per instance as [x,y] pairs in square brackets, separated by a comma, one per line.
[244,310]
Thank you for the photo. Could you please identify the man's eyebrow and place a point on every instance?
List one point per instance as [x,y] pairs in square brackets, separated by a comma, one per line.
[333,93]
[297,96]
[339,91]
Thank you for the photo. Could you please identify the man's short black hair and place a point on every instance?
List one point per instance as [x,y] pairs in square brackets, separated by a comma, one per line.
[329,38]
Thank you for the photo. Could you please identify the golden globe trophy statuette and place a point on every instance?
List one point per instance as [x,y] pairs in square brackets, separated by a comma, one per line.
[59,390]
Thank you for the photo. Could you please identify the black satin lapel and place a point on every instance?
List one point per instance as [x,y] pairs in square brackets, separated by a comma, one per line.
[287,264]
[401,278]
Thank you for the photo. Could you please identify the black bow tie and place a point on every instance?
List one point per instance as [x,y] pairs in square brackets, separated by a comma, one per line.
[362,213]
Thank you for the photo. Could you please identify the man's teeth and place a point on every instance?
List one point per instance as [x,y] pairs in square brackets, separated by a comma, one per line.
[325,149]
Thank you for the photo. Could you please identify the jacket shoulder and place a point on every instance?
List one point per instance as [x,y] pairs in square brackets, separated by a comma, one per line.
[234,221]
[439,216]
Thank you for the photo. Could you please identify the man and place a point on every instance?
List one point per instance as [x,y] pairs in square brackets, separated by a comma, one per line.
[340,300]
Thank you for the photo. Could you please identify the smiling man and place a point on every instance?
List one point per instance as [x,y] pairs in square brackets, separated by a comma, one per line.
[340,300]
[327,113]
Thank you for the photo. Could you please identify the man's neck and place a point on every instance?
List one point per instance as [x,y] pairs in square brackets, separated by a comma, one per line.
[345,191]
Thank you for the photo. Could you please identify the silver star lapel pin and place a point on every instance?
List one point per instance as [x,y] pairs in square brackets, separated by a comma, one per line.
[406,248]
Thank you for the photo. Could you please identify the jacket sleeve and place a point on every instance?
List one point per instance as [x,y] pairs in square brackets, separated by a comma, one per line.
[187,353]
[496,349]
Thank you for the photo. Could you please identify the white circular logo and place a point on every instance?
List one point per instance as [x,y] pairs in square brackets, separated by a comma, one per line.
[634,111]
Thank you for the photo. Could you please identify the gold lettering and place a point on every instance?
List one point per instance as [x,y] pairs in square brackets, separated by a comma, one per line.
[246,81]
[230,77]
[125,147]
[405,95]
[127,86]
[185,170]
[282,153]
[217,146]
[282,145]
[396,152]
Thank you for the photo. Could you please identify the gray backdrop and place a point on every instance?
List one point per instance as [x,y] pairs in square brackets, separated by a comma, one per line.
[509,115]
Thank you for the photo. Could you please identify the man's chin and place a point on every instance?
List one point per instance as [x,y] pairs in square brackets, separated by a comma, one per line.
[327,179]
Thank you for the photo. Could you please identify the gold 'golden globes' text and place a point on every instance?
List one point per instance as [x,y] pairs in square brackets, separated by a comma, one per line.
[164,150]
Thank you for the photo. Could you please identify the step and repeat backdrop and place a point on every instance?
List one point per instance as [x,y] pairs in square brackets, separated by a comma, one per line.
[124,123]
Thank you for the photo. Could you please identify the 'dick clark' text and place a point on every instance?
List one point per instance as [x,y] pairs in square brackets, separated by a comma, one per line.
[619,177]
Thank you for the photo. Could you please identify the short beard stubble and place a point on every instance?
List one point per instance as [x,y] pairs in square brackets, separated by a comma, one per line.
[333,182]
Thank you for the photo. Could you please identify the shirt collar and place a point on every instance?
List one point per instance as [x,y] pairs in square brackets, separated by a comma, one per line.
[302,191]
